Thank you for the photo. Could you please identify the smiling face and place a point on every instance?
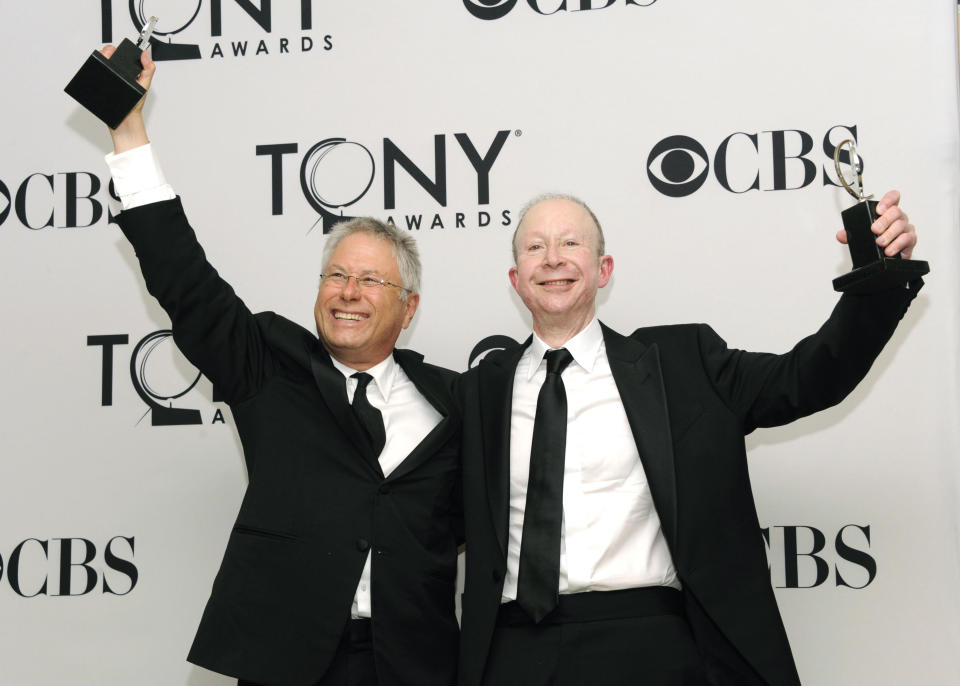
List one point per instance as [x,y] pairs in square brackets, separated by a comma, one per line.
[359,326]
[558,268]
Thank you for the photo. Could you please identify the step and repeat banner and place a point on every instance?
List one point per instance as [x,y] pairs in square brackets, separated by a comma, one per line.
[702,135]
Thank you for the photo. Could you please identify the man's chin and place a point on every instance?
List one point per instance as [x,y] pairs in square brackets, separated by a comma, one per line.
[343,341]
[557,307]
[560,314]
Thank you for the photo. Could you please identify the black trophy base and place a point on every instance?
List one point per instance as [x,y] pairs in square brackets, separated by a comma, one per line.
[873,271]
[882,275]
[108,87]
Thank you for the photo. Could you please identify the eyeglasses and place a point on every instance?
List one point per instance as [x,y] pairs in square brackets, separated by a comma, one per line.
[366,282]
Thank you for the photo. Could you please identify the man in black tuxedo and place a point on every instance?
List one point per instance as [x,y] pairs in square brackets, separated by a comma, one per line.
[340,569]
[612,534]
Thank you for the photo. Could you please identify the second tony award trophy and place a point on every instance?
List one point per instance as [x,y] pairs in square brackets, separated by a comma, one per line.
[108,87]
[872,270]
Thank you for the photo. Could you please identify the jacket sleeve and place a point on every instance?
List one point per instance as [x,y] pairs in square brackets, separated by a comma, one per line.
[764,390]
[211,325]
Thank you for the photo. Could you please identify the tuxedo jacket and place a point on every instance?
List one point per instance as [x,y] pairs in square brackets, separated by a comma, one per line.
[317,502]
[690,400]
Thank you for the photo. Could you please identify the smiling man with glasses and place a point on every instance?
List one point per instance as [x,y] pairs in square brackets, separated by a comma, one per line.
[361,307]
[341,566]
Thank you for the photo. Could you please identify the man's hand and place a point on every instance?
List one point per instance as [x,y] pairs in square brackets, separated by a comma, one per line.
[895,233]
[131,132]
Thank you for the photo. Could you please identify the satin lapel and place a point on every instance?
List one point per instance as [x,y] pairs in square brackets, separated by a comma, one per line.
[437,392]
[334,391]
[496,402]
[636,370]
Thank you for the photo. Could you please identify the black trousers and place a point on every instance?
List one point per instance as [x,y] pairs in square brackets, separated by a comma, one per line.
[635,637]
[352,664]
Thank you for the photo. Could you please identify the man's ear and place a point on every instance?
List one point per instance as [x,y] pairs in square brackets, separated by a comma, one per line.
[411,303]
[606,270]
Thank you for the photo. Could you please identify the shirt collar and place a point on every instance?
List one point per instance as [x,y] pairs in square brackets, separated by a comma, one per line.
[584,347]
[384,373]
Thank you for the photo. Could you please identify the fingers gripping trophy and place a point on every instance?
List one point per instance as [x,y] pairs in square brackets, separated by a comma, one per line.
[108,87]
[873,271]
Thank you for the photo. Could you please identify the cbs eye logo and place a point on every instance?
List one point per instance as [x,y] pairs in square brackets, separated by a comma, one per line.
[678,166]
[489,345]
[497,9]
[489,9]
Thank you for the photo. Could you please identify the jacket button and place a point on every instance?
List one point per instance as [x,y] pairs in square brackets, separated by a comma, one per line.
[497,576]
[363,545]
[384,489]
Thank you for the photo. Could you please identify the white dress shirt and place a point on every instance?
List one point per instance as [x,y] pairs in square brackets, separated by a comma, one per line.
[407,416]
[138,178]
[610,537]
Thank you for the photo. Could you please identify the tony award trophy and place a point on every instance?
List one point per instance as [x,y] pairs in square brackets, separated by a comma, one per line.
[872,270]
[108,87]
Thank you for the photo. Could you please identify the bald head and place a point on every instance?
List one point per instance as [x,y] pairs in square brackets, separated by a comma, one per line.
[549,197]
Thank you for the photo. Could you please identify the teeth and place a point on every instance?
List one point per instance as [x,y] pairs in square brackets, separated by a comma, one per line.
[557,283]
[347,315]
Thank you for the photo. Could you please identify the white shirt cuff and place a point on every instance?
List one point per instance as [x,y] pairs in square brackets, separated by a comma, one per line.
[138,178]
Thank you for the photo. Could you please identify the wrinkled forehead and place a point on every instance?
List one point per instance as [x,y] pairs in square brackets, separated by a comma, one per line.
[557,216]
[364,252]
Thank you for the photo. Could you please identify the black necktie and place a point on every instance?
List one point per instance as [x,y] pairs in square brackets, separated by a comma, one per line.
[539,576]
[370,418]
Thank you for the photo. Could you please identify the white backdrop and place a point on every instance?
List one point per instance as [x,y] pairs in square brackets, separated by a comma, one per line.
[111,528]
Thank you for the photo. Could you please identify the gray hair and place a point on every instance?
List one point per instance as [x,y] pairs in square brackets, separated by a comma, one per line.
[601,243]
[404,247]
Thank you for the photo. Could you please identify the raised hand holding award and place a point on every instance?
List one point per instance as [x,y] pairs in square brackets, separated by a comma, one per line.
[872,270]
[108,87]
